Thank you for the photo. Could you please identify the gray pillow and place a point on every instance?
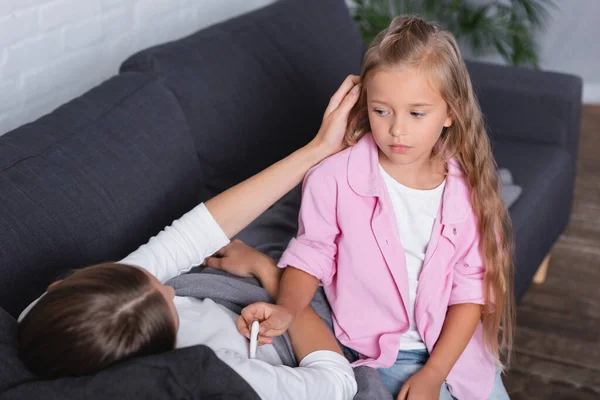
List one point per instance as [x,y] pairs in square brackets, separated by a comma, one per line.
[510,191]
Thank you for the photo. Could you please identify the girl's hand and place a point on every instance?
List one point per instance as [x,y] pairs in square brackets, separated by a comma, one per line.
[274,321]
[239,259]
[333,128]
[423,385]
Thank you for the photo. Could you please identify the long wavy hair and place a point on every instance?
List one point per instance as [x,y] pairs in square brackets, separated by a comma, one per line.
[411,42]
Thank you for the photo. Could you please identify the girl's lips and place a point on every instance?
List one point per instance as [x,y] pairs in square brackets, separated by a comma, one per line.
[398,148]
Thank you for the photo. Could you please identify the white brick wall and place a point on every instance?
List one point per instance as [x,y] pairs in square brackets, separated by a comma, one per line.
[54,50]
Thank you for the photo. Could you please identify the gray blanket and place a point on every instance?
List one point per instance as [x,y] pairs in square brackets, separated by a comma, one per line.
[236,293]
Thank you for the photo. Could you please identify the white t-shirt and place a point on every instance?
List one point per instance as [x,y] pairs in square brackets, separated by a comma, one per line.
[416,211]
[185,244]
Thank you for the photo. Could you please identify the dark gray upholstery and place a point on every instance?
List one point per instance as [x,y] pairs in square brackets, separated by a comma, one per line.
[545,173]
[529,105]
[533,118]
[90,182]
[254,88]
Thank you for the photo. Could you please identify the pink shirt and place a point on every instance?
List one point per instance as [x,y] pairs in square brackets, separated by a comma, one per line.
[348,239]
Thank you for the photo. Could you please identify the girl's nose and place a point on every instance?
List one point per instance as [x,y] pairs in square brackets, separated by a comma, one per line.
[395,130]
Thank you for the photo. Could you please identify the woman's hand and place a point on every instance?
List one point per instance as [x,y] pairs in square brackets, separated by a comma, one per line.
[335,120]
[274,321]
[423,385]
[239,259]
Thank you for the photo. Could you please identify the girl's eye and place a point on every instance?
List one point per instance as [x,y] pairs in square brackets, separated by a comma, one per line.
[417,114]
[382,113]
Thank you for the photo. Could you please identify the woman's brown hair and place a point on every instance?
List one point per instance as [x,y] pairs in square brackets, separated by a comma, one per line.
[410,42]
[97,316]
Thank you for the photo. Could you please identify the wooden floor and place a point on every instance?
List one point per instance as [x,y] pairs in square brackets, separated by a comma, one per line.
[557,344]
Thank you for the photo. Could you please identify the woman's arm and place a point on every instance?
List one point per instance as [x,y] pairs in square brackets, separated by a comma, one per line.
[208,227]
[309,258]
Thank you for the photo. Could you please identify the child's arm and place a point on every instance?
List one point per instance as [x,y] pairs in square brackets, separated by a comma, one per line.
[297,290]
[458,329]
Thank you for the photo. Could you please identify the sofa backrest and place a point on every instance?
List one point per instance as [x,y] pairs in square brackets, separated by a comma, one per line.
[529,105]
[91,182]
[254,88]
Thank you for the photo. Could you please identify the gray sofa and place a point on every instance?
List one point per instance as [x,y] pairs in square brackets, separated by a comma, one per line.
[97,177]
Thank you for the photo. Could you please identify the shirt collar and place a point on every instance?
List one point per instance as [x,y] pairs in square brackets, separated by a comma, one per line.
[365,179]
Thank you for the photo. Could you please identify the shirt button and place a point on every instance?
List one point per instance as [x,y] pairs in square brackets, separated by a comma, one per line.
[387,242]
[454,231]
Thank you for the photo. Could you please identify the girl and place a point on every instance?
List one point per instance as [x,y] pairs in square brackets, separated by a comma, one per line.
[406,229]
[110,312]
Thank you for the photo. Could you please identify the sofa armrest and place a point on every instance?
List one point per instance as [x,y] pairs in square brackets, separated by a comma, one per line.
[530,105]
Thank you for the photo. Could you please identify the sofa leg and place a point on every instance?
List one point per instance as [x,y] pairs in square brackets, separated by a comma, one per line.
[540,275]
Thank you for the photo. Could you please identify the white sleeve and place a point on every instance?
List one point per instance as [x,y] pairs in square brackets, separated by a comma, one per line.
[322,374]
[180,247]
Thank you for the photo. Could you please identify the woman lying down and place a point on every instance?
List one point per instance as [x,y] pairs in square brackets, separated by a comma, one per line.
[108,312]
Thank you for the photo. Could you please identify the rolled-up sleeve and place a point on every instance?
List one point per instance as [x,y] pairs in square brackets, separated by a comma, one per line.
[314,248]
[467,285]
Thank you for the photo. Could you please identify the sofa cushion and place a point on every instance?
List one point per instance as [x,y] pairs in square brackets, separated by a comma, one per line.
[193,372]
[90,182]
[544,172]
[254,88]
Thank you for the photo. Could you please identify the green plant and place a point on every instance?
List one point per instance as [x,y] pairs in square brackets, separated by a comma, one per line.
[504,26]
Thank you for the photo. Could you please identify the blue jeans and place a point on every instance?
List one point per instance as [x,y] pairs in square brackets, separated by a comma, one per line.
[409,362]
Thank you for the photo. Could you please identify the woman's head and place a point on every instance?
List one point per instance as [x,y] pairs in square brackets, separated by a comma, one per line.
[97,316]
[416,91]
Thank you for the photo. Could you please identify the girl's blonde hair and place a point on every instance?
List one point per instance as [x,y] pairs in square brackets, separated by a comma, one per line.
[410,42]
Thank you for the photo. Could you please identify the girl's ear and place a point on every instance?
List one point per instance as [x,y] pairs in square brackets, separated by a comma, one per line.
[448,122]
